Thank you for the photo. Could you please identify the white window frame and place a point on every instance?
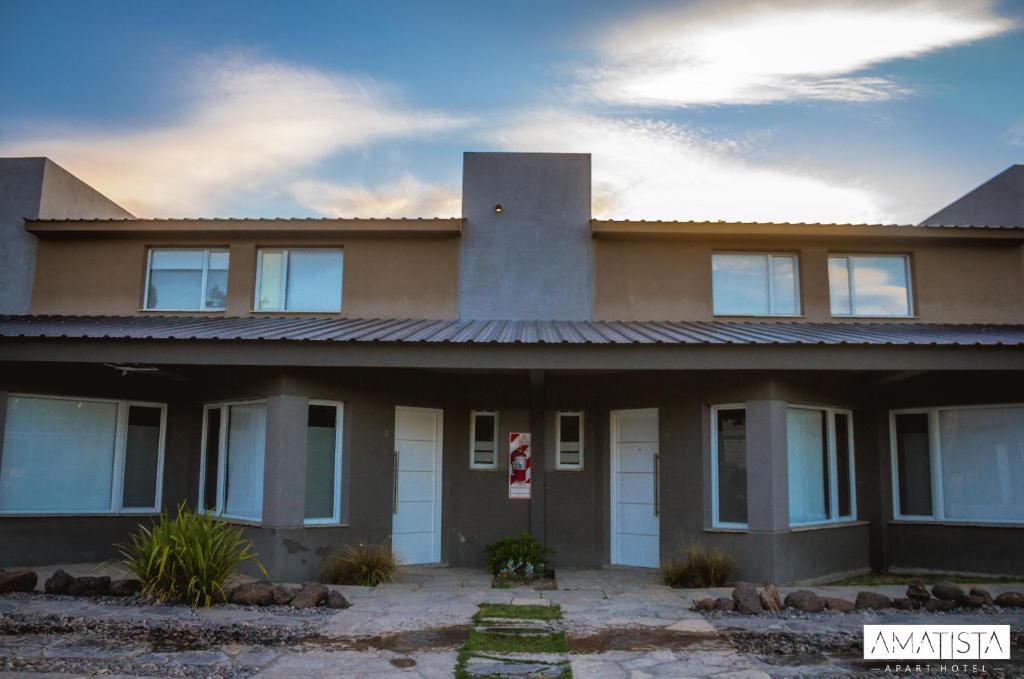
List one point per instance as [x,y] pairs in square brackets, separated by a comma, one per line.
[771,282]
[285,259]
[472,439]
[222,461]
[938,514]
[851,283]
[120,451]
[715,521]
[206,270]
[339,415]
[833,476]
[558,440]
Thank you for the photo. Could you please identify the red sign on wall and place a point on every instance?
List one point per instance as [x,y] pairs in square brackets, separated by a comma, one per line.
[519,476]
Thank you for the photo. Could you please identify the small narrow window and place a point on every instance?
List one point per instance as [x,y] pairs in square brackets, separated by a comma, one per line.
[236,452]
[913,464]
[187,280]
[323,463]
[211,459]
[299,280]
[869,285]
[570,440]
[483,436]
[729,466]
[142,457]
[751,284]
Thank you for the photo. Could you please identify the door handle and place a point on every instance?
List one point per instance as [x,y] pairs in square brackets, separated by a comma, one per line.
[394,486]
[657,485]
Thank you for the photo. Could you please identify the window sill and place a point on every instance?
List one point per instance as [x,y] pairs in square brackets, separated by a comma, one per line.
[964,524]
[289,312]
[483,469]
[182,311]
[568,469]
[727,529]
[826,526]
[875,318]
[76,514]
[742,316]
[337,524]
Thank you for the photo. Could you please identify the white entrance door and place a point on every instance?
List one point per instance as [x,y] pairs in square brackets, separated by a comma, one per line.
[634,484]
[416,502]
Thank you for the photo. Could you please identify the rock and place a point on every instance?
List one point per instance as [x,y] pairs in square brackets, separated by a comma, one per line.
[282,595]
[916,591]
[947,591]
[747,599]
[312,594]
[58,583]
[939,605]
[90,585]
[905,604]
[836,604]
[253,594]
[983,593]
[872,600]
[125,587]
[805,600]
[770,598]
[336,600]
[1010,600]
[18,581]
[705,604]
[725,605]
[973,601]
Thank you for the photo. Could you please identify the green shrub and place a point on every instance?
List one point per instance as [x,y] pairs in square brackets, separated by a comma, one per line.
[188,559]
[366,565]
[517,558]
[697,566]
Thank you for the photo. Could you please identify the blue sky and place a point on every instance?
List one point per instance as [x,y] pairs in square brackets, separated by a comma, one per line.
[841,110]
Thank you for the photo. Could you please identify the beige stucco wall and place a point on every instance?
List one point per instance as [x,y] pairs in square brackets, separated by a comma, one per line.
[670,279]
[384,277]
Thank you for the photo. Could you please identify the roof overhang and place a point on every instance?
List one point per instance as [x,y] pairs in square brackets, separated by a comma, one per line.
[436,227]
[627,229]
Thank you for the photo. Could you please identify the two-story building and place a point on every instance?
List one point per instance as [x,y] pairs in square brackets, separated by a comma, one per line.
[812,398]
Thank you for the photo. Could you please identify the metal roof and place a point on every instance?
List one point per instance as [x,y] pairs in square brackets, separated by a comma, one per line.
[722,223]
[420,331]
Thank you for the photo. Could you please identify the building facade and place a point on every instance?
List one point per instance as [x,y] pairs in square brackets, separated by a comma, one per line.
[814,399]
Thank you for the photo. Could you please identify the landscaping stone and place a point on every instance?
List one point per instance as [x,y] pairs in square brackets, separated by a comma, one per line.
[705,604]
[336,600]
[312,594]
[837,604]
[947,591]
[748,601]
[983,593]
[18,581]
[973,601]
[1010,600]
[253,594]
[805,600]
[58,583]
[282,595]
[770,598]
[90,585]
[725,605]
[125,587]
[916,591]
[872,600]
[939,605]
[904,604]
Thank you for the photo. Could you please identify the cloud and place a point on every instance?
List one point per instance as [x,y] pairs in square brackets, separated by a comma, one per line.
[407,197]
[755,52]
[247,127]
[645,169]
[1015,135]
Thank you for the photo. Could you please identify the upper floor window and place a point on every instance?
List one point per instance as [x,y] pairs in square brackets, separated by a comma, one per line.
[187,280]
[299,280]
[869,285]
[749,284]
[570,440]
[483,436]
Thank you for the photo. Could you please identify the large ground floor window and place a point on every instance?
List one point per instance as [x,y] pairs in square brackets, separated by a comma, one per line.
[231,469]
[820,465]
[323,462]
[80,456]
[958,464]
[729,466]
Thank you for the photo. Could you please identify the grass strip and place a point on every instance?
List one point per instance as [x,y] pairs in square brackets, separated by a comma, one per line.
[500,643]
[871,579]
[518,612]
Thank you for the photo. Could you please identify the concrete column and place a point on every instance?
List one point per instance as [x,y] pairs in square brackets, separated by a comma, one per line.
[284,464]
[538,440]
[767,480]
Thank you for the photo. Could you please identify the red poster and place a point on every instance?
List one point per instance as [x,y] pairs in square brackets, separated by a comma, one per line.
[519,466]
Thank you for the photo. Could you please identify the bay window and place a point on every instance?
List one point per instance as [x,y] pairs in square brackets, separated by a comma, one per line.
[729,466]
[323,462]
[958,463]
[755,284]
[80,456]
[299,280]
[186,280]
[820,465]
[231,465]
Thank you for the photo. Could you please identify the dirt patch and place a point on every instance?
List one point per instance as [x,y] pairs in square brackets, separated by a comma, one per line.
[403,663]
[633,639]
[400,642]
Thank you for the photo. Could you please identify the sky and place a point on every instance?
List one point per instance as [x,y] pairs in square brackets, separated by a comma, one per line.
[789,110]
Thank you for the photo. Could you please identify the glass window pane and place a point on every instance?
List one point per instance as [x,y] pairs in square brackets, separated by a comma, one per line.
[321,456]
[844,465]
[271,266]
[175,279]
[217,281]
[142,457]
[219,261]
[913,465]
[784,287]
[569,428]
[983,463]
[212,459]
[739,284]
[314,281]
[839,286]
[178,260]
[247,426]
[808,465]
[484,439]
[880,286]
[58,455]
[731,429]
